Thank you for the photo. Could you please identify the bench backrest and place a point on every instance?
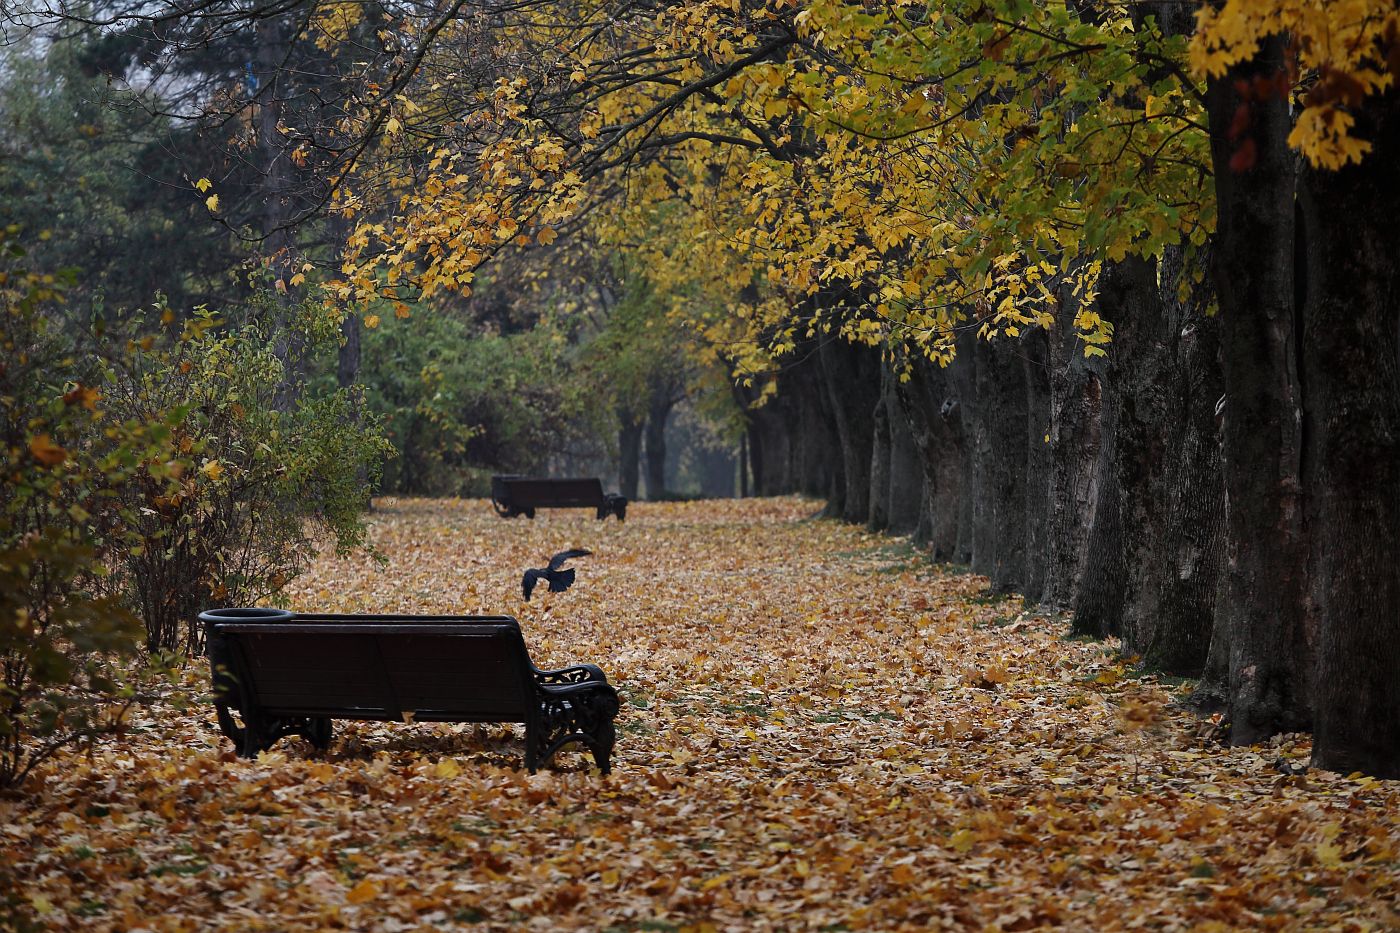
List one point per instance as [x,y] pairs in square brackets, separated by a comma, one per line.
[531,491]
[381,667]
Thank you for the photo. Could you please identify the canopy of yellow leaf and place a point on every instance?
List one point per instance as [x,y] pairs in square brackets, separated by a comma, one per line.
[1353,46]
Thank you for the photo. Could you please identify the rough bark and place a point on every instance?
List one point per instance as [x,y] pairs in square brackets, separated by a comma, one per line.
[1351,373]
[1266,563]
[982,537]
[1076,407]
[1000,543]
[932,413]
[923,530]
[1098,603]
[1035,363]
[1194,534]
[962,409]
[906,498]
[1142,349]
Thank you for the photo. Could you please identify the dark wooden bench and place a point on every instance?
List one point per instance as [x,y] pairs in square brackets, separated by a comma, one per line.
[292,673]
[521,495]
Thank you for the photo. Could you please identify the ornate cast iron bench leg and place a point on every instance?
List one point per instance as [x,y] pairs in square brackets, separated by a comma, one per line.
[602,746]
[580,712]
[318,732]
[227,725]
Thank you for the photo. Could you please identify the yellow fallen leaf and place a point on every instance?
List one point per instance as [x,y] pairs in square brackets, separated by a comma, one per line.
[447,769]
[366,890]
[715,882]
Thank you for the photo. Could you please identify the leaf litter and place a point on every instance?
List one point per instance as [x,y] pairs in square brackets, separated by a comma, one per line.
[819,731]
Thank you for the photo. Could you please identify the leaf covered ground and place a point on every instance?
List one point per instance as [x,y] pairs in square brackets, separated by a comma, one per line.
[819,730]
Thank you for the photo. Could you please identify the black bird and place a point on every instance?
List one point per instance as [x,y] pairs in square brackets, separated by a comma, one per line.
[559,580]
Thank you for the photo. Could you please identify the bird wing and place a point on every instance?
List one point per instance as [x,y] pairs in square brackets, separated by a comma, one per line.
[557,560]
[560,580]
[527,583]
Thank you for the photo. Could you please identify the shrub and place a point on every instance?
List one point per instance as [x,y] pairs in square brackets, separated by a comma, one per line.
[60,625]
[460,403]
[236,512]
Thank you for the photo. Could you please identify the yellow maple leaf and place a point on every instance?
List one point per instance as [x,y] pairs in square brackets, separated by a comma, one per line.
[203,185]
[212,202]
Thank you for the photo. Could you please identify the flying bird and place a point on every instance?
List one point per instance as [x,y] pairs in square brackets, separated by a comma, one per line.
[558,578]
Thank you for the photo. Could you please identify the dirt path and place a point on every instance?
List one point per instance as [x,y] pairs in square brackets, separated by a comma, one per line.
[818,731]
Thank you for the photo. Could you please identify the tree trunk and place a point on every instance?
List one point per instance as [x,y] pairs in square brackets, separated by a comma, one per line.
[852,376]
[770,436]
[816,449]
[744,465]
[1000,548]
[934,418]
[1143,361]
[878,518]
[347,370]
[272,47]
[1076,410]
[982,540]
[1098,603]
[1035,364]
[657,413]
[1351,372]
[923,530]
[1194,536]
[962,410]
[1266,586]
[629,446]
[906,496]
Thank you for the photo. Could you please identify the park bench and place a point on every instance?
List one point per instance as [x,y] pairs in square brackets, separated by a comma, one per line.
[292,673]
[521,495]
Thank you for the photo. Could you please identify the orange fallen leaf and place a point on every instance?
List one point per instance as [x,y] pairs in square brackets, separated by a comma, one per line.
[366,890]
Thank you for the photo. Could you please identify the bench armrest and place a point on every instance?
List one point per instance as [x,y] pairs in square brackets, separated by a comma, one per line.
[578,674]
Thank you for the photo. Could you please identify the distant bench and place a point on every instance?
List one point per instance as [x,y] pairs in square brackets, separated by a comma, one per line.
[292,673]
[521,495]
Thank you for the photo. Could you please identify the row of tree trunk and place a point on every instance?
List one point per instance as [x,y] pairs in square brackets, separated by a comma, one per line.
[1221,492]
